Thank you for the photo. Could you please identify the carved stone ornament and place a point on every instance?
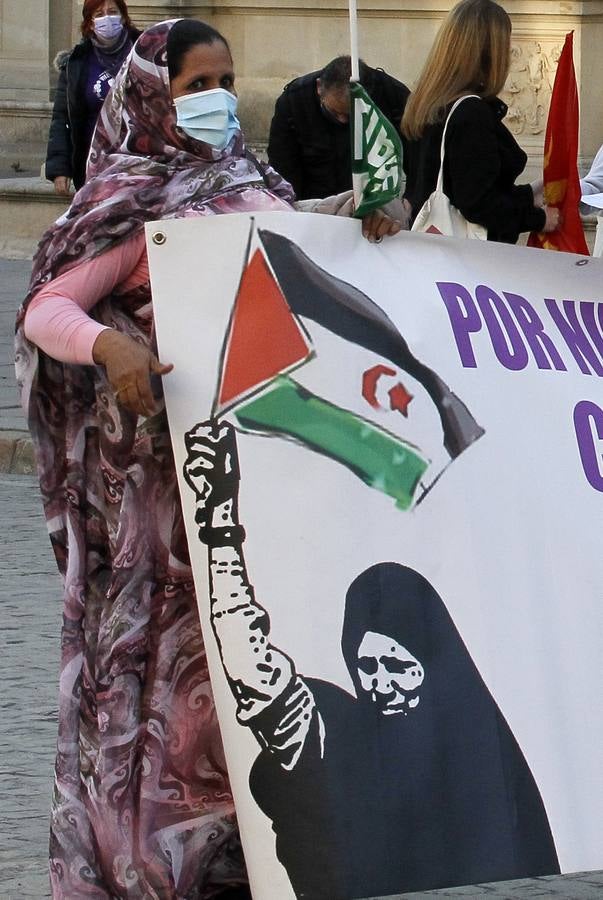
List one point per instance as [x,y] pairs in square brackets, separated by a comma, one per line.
[527,91]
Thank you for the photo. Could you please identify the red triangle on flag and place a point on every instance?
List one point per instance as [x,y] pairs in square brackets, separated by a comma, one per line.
[264,340]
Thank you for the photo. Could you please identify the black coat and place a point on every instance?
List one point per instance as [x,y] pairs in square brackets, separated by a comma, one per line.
[68,138]
[312,152]
[482,159]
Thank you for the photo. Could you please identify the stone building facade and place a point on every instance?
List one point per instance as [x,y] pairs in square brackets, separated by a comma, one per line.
[275,40]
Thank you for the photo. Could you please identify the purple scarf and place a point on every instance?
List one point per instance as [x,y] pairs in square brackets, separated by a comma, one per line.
[111,57]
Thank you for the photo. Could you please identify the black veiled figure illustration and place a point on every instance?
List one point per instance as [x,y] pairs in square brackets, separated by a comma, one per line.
[414,783]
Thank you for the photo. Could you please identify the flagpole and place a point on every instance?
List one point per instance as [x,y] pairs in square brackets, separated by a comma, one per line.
[355,74]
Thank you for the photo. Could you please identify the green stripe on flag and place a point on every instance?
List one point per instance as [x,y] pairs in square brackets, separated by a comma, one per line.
[380,459]
[376,154]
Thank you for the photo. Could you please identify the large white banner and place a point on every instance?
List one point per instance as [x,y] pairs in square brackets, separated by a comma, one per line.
[391,468]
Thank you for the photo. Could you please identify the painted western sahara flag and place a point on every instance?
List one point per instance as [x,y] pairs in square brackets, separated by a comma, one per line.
[290,316]
[561,179]
[376,154]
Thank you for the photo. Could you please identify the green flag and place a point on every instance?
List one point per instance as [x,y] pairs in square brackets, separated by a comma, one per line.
[382,460]
[376,154]
[265,340]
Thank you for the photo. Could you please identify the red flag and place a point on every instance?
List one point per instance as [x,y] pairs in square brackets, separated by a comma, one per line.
[561,180]
[264,339]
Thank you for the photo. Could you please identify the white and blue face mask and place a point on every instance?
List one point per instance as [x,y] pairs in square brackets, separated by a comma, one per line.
[107,28]
[208,116]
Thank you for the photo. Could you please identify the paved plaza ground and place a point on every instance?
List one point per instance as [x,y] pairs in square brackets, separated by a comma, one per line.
[14,276]
[30,614]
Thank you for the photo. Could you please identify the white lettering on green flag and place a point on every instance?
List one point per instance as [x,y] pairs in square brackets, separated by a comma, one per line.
[376,154]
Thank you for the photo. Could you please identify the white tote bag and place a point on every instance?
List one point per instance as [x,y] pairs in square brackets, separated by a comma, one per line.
[438,215]
[598,248]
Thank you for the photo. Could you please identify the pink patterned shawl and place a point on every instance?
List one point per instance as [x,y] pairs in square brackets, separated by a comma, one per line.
[142,805]
[142,167]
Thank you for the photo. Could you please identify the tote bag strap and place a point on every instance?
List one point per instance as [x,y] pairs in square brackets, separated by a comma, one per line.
[440,183]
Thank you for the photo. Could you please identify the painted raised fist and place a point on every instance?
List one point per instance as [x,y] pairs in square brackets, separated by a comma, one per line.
[212,466]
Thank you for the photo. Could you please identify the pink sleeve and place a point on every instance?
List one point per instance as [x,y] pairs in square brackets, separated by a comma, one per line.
[56,319]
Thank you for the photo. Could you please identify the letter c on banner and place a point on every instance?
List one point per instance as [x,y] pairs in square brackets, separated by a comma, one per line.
[588,422]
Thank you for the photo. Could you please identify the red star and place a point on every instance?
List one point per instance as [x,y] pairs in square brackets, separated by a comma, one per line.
[399,398]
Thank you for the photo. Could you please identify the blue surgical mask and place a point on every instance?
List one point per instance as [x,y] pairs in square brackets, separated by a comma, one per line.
[208,116]
[107,28]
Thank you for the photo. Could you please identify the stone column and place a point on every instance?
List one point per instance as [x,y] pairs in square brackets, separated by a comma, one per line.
[24,84]
[60,33]
[24,50]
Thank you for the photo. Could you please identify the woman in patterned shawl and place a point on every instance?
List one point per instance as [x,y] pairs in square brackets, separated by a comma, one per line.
[142,805]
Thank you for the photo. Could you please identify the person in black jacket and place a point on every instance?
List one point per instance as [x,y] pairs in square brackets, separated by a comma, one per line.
[471,57]
[309,141]
[86,74]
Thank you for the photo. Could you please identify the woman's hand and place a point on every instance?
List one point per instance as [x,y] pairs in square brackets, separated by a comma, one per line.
[538,191]
[377,225]
[400,210]
[129,366]
[62,185]
[553,219]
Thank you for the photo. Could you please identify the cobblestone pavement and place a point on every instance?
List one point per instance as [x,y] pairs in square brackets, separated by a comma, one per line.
[30,612]
[580,886]
[14,277]
[15,446]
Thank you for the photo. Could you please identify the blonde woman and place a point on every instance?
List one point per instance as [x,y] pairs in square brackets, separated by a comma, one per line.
[470,58]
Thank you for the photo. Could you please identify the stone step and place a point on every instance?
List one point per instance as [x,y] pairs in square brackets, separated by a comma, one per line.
[20,160]
[23,136]
[28,206]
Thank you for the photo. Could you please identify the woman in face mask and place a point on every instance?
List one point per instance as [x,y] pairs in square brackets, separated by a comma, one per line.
[85,75]
[142,805]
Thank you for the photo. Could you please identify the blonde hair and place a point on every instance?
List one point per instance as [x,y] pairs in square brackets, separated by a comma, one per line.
[471,54]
